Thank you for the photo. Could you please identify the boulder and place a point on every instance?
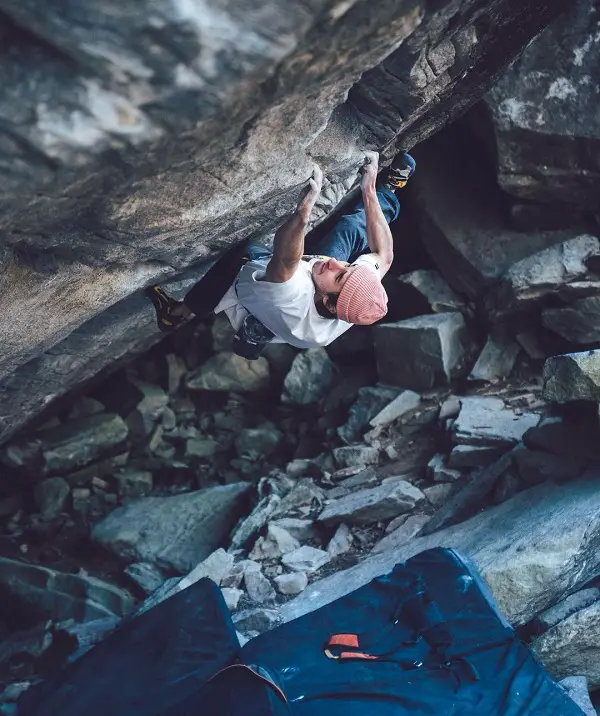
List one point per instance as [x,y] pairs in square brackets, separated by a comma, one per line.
[573,376]
[393,497]
[291,584]
[369,403]
[226,372]
[152,400]
[532,550]
[59,595]
[578,440]
[176,370]
[201,448]
[420,352]
[405,402]
[257,443]
[50,496]
[173,532]
[438,494]
[534,466]
[310,377]
[578,323]
[496,360]
[544,110]
[573,646]
[487,421]
[561,270]
[68,447]
[402,534]
[302,530]
[306,559]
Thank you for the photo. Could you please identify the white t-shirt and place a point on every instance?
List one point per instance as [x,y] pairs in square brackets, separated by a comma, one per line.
[287,309]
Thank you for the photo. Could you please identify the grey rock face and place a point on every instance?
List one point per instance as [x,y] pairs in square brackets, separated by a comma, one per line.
[578,322]
[312,374]
[545,115]
[61,596]
[218,181]
[572,646]
[66,448]
[227,371]
[370,402]
[574,376]
[393,497]
[531,550]
[173,532]
[487,421]
[420,352]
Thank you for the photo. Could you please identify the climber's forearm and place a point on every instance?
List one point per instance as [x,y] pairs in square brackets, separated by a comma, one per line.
[379,236]
[288,245]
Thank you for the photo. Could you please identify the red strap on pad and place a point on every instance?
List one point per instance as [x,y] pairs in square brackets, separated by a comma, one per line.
[347,640]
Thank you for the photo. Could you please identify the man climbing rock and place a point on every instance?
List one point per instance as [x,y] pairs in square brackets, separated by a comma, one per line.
[286,296]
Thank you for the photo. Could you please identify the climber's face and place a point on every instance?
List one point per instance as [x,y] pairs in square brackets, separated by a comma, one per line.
[330,276]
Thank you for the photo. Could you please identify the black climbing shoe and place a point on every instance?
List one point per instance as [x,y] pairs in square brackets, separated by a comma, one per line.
[401,170]
[163,305]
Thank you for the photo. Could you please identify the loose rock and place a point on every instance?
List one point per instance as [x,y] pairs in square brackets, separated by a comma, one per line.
[578,323]
[312,374]
[577,689]
[393,497]
[355,455]
[487,421]
[439,472]
[134,483]
[496,360]
[256,443]
[51,495]
[302,530]
[464,456]
[202,448]
[228,371]
[306,559]
[574,376]
[341,541]
[438,494]
[420,352]
[173,532]
[432,287]
[276,543]
[217,566]
[257,585]
[402,404]
[402,534]
[291,584]
[232,597]
[369,403]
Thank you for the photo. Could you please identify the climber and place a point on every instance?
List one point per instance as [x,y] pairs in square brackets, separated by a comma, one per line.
[284,296]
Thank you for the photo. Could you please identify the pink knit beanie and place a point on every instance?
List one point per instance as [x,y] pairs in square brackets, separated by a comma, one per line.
[363,299]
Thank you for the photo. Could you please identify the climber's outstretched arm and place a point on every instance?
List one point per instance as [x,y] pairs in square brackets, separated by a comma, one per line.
[288,246]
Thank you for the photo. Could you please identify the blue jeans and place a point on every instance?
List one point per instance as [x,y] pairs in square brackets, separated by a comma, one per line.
[348,238]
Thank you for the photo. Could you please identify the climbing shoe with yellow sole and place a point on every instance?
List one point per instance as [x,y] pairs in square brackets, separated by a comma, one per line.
[401,170]
[163,305]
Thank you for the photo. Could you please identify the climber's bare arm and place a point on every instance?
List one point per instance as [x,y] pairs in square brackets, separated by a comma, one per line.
[379,236]
[288,246]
